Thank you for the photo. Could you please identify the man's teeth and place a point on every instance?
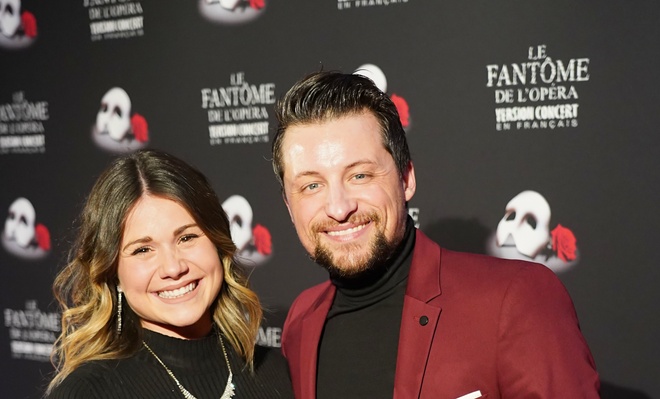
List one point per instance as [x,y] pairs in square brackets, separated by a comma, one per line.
[347,231]
[178,292]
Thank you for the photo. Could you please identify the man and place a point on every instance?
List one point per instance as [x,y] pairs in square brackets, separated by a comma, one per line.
[401,317]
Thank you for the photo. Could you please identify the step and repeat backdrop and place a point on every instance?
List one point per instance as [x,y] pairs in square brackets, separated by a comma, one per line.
[549,109]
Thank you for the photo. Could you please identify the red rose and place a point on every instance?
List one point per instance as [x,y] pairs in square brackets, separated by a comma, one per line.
[402,109]
[257,4]
[262,239]
[563,243]
[29,24]
[140,128]
[43,236]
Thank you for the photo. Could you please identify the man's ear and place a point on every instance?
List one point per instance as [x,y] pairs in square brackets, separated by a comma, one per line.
[409,181]
[286,202]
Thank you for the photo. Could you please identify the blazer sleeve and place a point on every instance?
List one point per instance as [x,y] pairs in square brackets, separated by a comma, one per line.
[541,352]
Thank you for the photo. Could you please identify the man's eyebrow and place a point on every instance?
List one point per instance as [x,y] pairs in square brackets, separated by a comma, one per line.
[306,173]
[359,163]
[313,173]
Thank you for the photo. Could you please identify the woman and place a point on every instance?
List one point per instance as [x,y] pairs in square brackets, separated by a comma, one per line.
[154,304]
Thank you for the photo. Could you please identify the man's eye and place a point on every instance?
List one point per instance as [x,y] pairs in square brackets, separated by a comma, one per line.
[360,176]
[312,186]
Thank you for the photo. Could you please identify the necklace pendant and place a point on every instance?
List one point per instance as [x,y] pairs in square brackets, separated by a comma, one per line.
[229,388]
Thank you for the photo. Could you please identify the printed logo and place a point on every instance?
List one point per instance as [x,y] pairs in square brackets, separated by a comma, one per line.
[32,331]
[23,236]
[22,126]
[114,19]
[116,130]
[270,336]
[270,330]
[231,12]
[18,27]
[414,214]
[253,243]
[374,73]
[524,233]
[347,4]
[540,93]
[238,113]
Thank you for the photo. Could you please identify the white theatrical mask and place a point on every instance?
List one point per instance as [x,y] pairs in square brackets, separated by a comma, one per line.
[240,215]
[114,115]
[10,17]
[19,225]
[527,222]
[374,73]
[228,4]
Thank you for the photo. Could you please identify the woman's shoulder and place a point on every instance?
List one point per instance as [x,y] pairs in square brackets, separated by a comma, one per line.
[271,373]
[112,378]
[87,381]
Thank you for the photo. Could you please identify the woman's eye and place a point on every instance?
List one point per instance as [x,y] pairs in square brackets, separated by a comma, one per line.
[141,250]
[188,237]
[312,186]
[360,176]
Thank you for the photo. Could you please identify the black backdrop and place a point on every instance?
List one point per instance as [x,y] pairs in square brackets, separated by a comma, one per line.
[486,86]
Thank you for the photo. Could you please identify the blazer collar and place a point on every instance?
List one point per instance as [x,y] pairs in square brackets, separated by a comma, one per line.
[424,277]
[419,319]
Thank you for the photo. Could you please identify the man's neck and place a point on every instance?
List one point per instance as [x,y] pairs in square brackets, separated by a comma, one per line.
[383,271]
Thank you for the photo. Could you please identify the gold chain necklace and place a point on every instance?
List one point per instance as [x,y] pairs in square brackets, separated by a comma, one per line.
[229,388]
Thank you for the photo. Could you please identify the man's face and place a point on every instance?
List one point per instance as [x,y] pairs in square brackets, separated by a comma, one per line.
[344,193]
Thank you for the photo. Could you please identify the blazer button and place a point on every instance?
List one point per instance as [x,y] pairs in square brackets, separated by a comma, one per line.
[423,320]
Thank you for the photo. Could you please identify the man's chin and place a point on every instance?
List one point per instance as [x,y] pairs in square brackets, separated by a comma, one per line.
[341,266]
[353,261]
[349,271]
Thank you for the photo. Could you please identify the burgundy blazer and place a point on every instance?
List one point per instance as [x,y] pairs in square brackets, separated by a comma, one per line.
[505,328]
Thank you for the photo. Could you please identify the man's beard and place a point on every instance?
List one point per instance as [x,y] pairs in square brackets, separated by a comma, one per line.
[353,262]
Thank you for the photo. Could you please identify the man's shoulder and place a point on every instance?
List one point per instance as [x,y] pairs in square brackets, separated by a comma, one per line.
[463,261]
[473,266]
[310,296]
[495,277]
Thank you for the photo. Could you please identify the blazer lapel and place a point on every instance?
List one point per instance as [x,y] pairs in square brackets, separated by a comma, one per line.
[312,329]
[419,319]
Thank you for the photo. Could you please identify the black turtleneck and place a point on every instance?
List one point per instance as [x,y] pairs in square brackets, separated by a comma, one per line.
[358,349]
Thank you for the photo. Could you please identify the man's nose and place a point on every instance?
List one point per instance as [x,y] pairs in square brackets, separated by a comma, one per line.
[340,203]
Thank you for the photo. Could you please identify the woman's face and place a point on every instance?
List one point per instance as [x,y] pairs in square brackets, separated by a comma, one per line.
[169,270]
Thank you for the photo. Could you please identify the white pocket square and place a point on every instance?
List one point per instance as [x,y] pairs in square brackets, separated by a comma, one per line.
[471,395]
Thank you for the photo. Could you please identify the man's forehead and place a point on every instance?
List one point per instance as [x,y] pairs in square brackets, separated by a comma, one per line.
[312,152]
[327,155]
[364,121]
